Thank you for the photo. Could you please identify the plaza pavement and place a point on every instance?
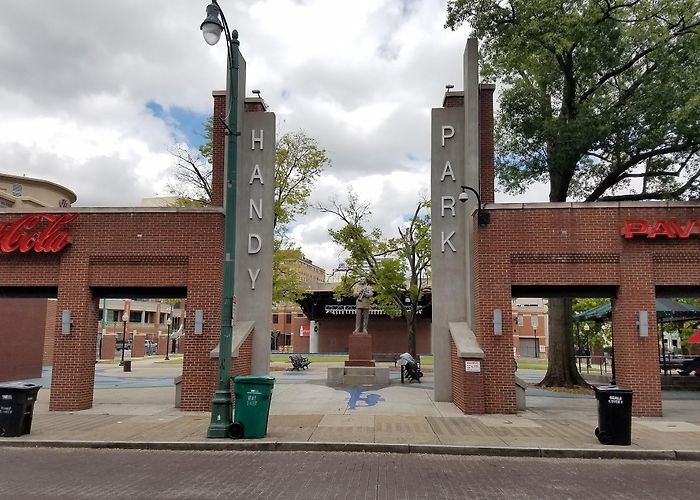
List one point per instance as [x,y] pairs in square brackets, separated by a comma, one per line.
[136,410]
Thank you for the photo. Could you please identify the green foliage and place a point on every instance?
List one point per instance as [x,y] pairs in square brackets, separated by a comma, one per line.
[597,334]
[396,268]
[285,278]
[299,161]
[600,98]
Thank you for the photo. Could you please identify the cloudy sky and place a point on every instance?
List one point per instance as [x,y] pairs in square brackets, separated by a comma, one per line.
[94,94]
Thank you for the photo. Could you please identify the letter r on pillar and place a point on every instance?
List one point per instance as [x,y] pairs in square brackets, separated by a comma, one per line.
[447,203]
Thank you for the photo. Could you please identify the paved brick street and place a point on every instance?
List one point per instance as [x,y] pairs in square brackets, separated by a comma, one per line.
[80,473]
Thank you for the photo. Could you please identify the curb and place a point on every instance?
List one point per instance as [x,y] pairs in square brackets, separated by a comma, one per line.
[290,446]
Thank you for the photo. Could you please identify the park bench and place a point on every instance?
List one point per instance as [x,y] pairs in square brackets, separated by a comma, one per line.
[385,356]
[299,362]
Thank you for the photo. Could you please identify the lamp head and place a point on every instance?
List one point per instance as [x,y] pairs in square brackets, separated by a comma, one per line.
[125,317]
[169,322]
[211,26]
[463,197]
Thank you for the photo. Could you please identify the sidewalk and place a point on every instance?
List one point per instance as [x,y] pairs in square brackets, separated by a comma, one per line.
[308,415]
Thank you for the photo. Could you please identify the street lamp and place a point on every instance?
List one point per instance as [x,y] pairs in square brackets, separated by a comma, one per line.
[213,25]
[167,344]
[125,319]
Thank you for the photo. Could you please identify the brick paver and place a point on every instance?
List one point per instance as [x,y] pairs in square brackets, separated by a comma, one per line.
[80,473]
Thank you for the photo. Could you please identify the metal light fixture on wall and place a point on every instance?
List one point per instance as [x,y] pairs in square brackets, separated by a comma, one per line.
[482,216]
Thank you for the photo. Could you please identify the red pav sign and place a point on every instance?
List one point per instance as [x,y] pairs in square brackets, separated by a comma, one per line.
[27,233]
[661,228]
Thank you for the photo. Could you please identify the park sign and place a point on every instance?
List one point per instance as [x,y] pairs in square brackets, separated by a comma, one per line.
[661,228]
[26,234]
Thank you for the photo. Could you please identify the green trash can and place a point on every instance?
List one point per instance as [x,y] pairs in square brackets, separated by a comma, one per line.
[253,396]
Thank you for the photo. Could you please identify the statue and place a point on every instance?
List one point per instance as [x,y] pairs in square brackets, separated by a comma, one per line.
[363,293]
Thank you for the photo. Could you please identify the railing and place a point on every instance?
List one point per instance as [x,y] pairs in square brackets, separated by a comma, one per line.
[592,363]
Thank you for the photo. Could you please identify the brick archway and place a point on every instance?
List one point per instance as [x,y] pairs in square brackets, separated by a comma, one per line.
[156,249]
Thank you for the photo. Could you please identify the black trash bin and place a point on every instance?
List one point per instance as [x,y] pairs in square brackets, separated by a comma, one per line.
[17,408]
[614,415]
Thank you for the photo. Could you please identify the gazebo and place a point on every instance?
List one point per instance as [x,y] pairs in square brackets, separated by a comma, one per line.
[667,311]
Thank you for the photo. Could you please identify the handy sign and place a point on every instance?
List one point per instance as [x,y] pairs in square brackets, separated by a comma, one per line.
[472,366]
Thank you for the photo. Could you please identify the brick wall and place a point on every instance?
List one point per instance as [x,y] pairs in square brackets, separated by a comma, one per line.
[388,335]
[467,387]
[581,245]
[136,248]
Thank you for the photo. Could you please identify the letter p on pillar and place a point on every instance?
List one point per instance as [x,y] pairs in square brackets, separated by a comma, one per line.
[448,132]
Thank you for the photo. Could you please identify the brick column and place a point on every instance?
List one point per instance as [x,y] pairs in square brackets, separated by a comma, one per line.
[218,149]
[73,376]
[162,344]
[467,387]
[637,358]
[199,371]
[138,345]
[493,291]
[109,346]
[486,143]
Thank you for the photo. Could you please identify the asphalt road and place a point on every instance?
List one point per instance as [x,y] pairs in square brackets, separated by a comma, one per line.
[79,473]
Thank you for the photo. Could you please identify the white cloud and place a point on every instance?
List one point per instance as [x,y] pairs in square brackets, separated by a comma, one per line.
[359,76]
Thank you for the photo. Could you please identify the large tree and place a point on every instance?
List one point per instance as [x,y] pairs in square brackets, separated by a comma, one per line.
[397,268]
[299,161]
[600,98]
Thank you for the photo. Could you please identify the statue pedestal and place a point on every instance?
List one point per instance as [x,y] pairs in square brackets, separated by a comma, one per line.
[359,350]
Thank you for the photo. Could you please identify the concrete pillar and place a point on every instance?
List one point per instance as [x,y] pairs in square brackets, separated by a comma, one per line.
[313,336]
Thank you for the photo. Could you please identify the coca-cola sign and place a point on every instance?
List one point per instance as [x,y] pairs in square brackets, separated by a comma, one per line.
[25,234]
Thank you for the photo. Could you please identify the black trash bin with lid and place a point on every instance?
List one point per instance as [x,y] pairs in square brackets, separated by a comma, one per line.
[614,415]
[17,408]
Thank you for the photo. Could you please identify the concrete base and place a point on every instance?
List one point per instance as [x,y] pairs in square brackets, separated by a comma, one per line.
[357,375]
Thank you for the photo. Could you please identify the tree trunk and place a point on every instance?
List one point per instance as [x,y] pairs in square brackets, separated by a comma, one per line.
[411,329]
[562,371]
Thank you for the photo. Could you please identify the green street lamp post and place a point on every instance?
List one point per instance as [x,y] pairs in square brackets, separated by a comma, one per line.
[212,27]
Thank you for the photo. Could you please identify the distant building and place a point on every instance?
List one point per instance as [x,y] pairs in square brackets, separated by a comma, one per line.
[308,272]
[288,319]
[26,192]
[530,328]
[159,201]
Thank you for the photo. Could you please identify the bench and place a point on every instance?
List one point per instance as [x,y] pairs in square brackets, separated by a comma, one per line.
[388,357]
[385,356]
[299,362]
